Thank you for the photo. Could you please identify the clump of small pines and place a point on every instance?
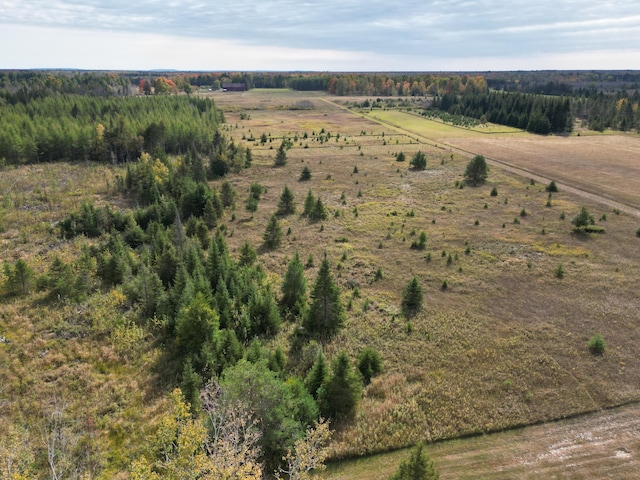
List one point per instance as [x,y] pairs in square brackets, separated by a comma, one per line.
[420,243]
[584,222]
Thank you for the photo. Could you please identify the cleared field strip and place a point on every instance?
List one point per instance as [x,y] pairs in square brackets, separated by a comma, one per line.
[600,445]
[427,127]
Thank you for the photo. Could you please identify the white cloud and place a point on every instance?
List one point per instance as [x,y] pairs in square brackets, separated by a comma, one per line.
[43,47]
[327,34]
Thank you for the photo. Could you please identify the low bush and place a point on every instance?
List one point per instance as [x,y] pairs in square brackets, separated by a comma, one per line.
[552,187]
[369,364]
[559,271]
[597,345]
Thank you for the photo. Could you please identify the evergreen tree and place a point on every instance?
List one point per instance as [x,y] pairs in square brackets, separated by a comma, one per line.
[224,305]
[19,277]
[210,215]
[412,297]
[277,361]
[305,175]
[309,204]
[400,157]
[419,161]
[113,262]
[273,233]
[147,291]
[318,212]
[583,219]
[230,350]
[325,315]
[477,170]
[218,164]
[339,396]
[190,384]
[286,205]
[294,288]
[178,234]
[215,200]
[252,204]
[418,467]
[281,155]
[248,254]
[198,169]
[318,375]
[263,312]
[256,190]
[197,334]
[63,283]
[369,364]
[167,265]
[227,195]
[218,261]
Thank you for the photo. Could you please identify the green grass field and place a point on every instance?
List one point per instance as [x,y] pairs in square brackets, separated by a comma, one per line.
[434,128]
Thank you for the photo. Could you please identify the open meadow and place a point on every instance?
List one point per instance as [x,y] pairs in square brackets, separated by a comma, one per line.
[601,164]
[511,295]
[505,343]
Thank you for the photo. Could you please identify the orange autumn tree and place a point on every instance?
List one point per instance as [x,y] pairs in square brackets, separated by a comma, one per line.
[164,86]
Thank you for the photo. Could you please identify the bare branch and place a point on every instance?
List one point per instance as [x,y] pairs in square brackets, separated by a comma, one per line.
[234,435]
[309,453]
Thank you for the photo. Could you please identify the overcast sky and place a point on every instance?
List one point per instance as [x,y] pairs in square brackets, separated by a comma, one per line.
[338,35]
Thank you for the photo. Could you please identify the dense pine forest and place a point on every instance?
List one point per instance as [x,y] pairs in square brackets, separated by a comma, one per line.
[118,129]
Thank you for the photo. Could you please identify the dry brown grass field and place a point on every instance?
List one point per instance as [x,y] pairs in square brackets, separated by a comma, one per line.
[601,164]
[504,345]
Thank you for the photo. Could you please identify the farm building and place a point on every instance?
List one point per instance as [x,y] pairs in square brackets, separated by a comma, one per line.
[233,87]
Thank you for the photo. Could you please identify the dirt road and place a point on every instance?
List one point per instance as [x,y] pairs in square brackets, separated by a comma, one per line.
[599,445]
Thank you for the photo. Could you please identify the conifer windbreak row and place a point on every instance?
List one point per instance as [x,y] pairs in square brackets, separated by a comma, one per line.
[535,113]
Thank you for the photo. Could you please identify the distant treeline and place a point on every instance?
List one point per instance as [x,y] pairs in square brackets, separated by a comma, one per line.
[599,99]
[388,84]
[546,113]
[22,86]
[379,84]
[115,129]
[559,82]
[535,113]
[599,111]
[538,101]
